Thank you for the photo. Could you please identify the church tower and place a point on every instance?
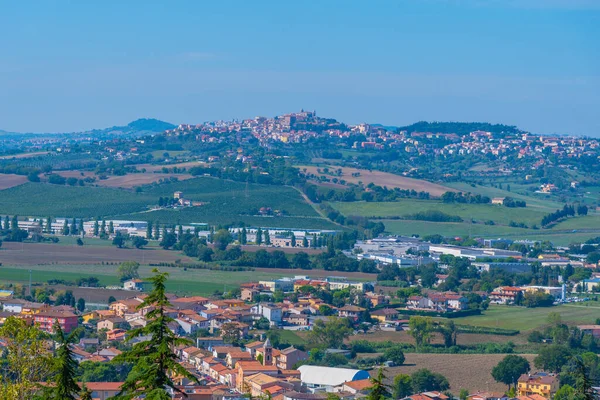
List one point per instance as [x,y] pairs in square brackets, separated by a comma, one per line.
[267,353]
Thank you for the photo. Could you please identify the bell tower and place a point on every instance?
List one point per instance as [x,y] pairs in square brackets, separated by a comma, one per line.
[267,353]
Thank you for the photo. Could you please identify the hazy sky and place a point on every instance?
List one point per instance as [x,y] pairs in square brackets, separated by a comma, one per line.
[71,66]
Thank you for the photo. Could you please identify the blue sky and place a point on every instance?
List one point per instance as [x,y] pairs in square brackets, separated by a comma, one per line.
[71,66]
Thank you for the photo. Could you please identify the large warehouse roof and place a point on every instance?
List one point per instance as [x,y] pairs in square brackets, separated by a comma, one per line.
[326,376]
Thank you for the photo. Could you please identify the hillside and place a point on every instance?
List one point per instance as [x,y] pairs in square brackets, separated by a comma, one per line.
[135,128]
[460,128]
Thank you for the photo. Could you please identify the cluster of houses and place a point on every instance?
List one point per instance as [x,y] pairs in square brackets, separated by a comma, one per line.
[537,386]
[439,302]
[512,294]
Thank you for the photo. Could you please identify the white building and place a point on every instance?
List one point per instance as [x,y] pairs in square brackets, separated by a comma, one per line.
[326,379]
[269,311]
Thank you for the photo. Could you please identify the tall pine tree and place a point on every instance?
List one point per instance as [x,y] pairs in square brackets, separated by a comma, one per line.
[154,361]
[65,386]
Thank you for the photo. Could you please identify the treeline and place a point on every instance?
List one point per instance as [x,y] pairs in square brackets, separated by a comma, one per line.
[460,128]
[512,203]
[565,212]
[167,201]
[22,169]
[433,216]
[10,231]
[276,172]
[372,193]
[460,197]
[332,259]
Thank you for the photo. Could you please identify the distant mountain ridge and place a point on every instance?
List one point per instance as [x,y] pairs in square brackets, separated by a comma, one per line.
[139,127]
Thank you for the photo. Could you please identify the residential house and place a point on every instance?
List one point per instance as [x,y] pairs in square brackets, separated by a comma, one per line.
[350,311]
[134,284]
[232,357]
[220,352]
[125,306]
[488,396]
[103,390]
[270,311]
[97,315]
[112,323]
[259,384]
[433,395]
[48,317]
[541,383]
[287,358]
[108,353]
[506,295]
[377,299]
[593,330]
[357,387]
[385,314]
[194,303]
[419,303]
[248,368]
[334,285]
[116,335]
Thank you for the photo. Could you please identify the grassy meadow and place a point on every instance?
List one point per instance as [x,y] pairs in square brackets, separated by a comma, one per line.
[191,281]
[528,319]
[479,212]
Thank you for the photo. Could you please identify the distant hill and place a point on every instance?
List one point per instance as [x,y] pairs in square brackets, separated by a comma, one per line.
[460,128]
[139,127]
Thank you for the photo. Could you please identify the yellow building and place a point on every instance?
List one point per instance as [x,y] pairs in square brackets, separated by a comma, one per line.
[541,383]
[97,314]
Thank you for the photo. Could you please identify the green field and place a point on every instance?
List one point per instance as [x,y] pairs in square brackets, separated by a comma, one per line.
[578,229]
[528,319]
[192,281]
[424,228]
[158,154]
[225,202]
[533,200]
[291,337]
[478,212]
[43,199]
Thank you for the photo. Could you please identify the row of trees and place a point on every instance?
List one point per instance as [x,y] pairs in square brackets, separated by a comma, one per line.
[565,212]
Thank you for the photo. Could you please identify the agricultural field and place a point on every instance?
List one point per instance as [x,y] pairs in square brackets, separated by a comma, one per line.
[590,221]
[14,253]
[183,282]
[224,201]
[463,371]
[538,201]
[128,181]
[578,229]
[528,319]
[11,180]
[382,179]
[159,154]
[450,229]
[24,155]
[228,201]
[479,212]
[43,199]
[154,167]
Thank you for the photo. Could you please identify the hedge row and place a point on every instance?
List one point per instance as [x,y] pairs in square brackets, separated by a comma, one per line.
[455,314]
[487,330]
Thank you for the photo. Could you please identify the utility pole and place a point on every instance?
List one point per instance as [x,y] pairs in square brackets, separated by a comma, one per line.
[29,282]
